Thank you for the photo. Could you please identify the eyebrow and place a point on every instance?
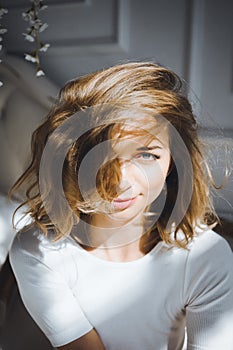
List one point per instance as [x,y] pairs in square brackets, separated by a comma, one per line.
[145,148]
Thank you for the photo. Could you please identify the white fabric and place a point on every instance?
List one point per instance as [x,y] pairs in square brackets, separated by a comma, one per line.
[7,233]
[140,305]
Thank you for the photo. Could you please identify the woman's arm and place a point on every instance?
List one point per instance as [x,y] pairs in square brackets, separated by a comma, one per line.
[47,295]
[89,341]
[209,296]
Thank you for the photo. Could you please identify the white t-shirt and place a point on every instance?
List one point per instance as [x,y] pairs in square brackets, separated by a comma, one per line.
[144,304]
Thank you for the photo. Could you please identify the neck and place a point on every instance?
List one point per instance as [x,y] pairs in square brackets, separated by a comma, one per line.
[124,253]
[111,241]
[107,233]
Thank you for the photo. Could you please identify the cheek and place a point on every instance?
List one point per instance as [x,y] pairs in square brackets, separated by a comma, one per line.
[154,177]
[155,185]
[153,182]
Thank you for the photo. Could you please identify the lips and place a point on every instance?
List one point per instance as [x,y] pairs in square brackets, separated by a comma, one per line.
[123,203]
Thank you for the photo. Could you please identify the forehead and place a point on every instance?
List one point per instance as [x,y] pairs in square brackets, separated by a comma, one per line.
[145,135]
[146,131]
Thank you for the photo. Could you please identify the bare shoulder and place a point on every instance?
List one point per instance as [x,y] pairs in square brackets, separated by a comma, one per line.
[89,341]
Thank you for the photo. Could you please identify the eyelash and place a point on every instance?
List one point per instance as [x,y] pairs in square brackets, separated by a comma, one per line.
[154,156]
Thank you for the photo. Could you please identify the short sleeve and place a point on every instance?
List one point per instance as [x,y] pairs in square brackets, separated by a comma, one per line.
[48,298]
[208,292]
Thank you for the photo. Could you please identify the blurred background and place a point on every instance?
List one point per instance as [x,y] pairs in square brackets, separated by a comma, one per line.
[192,37]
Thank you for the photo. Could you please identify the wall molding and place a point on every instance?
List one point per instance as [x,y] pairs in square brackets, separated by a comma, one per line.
[196,47]
[94,41]
[25,4]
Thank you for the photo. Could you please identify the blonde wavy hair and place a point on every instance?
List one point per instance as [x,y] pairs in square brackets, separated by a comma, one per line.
[142,86]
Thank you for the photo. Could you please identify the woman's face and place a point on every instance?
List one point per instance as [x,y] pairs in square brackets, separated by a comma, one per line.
[144,167]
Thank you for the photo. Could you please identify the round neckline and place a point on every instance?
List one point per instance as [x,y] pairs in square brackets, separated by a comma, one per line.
[118,263]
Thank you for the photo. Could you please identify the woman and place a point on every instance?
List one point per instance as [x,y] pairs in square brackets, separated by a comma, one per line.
[120,253]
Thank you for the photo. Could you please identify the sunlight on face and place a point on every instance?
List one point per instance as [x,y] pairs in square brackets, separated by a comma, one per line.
[144,164]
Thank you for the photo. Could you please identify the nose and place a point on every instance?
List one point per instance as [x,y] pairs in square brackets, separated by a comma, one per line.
[126,176]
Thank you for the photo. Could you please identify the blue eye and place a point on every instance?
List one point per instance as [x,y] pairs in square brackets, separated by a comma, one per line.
[146,156]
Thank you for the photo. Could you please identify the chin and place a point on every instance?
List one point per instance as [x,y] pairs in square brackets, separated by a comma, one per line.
[127,215]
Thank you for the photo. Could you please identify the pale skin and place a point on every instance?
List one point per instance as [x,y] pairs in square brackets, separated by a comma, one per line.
[144,170]
[90,341]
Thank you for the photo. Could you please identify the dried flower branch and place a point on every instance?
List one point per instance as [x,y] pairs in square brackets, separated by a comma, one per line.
[2,31]
[32,35]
